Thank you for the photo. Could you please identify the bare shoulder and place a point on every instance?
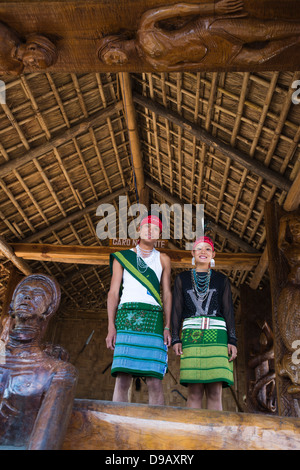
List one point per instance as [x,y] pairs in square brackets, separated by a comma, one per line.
[165,260]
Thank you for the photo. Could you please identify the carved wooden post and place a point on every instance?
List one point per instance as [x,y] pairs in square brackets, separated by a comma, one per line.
[283,242]
[256,318]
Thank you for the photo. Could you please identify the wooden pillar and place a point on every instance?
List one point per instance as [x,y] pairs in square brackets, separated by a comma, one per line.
[258,350]
[283,242]
[137,160]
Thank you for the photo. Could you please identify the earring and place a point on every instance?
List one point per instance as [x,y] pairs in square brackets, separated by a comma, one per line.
[212,263]
[193,261]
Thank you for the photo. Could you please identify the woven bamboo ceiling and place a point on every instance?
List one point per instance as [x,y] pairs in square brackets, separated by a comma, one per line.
[50,196]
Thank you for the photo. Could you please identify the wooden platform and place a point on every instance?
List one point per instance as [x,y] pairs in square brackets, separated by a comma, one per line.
[105,425]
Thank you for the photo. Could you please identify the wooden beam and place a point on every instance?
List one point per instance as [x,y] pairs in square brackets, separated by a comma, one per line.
[75,216]
[221,231]
[9,253]
[292,200]
[135,147]
[97,424]
[14,278]
[43,150]
[100,256]
[260,270]
[291,203]
[77,26]
[236,155]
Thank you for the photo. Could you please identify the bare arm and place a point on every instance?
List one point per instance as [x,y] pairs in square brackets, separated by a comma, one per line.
[112,303]
[150,17]
[53,417]
[167,295]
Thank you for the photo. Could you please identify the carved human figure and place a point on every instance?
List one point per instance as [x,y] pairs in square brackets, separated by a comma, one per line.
[36,389]
[262,389]
[289,298]
[182,36]
[36,51]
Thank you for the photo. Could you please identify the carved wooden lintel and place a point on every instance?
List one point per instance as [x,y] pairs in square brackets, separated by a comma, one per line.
[154,36]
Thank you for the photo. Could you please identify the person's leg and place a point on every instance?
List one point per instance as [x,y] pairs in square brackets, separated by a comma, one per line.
[195,395]
[155,391]
[214,396]
[122,385]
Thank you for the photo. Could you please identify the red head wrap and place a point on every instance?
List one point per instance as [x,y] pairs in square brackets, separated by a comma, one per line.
[204,240]
[152,219]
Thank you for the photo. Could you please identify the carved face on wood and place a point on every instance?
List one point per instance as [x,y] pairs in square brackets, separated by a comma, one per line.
[112,50]
[32,299]
[36,298]
[291,369]
[38,52]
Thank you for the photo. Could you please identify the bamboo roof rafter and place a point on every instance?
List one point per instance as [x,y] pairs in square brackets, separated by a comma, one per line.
[227,140]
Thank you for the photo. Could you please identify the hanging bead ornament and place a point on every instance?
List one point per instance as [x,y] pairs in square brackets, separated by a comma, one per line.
[201,284]
[141,253]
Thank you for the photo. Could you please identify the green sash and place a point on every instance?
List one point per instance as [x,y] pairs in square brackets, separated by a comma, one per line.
[128,259]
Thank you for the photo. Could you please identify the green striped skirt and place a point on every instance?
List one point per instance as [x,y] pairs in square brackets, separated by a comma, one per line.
[205,352]
[140,350]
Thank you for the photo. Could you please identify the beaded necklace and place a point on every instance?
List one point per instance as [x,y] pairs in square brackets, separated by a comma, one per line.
[141,265]
[201,284]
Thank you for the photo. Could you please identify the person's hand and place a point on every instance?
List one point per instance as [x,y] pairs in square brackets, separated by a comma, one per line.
[167,338]
[232,352]
[228,6]
[177,348]
[111,338]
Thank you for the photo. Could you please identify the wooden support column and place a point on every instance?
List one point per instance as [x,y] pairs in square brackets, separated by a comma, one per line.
[258,371]
[134,140]
[283,233]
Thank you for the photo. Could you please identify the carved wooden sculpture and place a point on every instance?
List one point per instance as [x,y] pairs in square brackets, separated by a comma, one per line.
[36,387]
[289,299]
[262,391]
[37,52]
[183,36]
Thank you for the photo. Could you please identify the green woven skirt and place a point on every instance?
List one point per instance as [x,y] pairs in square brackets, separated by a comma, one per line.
[205,352]
[140,349]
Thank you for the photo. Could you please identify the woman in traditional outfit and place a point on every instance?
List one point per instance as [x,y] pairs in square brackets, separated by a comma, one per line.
[202,306]
[136,331]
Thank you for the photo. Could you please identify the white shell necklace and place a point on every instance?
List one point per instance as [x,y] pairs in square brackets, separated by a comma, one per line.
[141,253]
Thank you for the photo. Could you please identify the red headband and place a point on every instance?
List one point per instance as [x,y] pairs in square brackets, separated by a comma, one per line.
[152,219]
[204,240]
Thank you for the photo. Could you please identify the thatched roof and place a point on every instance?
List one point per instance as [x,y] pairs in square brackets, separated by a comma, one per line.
[58,173]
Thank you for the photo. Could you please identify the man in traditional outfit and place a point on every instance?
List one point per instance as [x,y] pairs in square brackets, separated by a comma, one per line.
[136,331]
